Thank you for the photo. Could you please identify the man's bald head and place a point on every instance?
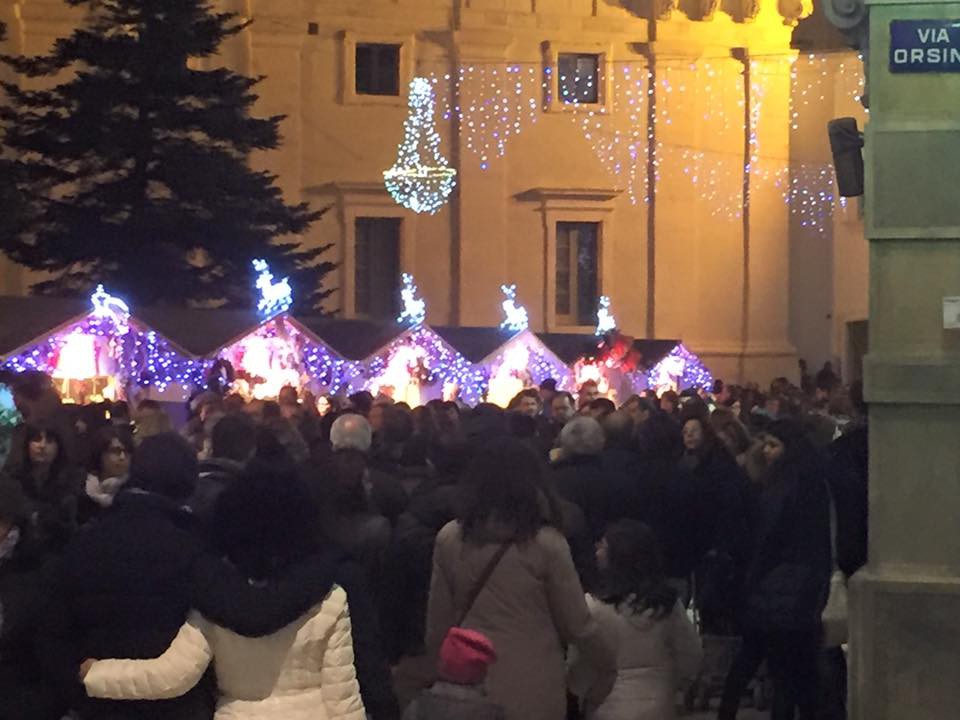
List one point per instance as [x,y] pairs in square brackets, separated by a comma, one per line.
[351,432]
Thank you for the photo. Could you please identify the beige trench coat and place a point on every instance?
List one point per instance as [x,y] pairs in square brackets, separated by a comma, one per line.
[530,608]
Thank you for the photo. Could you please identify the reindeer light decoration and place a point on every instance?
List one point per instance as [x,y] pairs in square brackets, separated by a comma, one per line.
[107,306]
[515,316]
[275,298]
[606,322]
[414,309]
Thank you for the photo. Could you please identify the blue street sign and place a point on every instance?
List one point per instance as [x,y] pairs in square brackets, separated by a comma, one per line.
[925,46]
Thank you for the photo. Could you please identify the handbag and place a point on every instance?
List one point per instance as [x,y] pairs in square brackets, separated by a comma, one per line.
[835,615]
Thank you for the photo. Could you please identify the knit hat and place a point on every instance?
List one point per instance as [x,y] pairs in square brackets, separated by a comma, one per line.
[465,656]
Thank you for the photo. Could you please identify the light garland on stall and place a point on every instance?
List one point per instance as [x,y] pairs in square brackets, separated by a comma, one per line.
[415,363]
[421,179]
[679,370]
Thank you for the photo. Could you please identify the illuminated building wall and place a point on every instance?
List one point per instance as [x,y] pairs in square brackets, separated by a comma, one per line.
[719,104]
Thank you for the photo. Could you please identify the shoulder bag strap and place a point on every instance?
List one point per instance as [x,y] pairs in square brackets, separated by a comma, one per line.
[482,581]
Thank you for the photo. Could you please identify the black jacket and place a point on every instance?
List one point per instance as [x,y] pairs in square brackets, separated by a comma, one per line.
[215,476]
[123,591]
[408,567]
[585,482]
[52,505]
[789,574]
[848,474]
[25,578]
[709,509]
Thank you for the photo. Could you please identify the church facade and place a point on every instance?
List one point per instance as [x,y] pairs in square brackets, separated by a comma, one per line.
[668,154]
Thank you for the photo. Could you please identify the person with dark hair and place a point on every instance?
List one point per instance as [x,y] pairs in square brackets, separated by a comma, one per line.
[788,578]
[640,410]
[50,484]
[600,408]
[263,524]
[587,393]
[670,403]
[527,402]
[398,451]
[409,556]
[25,573]
[640,614]
[712,511]
[505,554]
[108,469]
[563,408]
[361,401]
[233,442]
[548,391]
[125,584]
[347,519]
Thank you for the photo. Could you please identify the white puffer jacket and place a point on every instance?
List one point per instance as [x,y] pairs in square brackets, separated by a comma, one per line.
[303,672]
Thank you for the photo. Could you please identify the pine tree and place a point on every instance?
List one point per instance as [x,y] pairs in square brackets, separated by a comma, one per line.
[11,206]
[135,170]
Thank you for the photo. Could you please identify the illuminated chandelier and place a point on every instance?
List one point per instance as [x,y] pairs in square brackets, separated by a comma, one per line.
[421,179]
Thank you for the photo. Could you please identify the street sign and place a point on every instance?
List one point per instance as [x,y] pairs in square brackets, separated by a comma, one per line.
[924,46]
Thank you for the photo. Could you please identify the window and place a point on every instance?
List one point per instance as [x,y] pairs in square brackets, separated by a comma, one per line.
[377,267]
[579,78]
[377,69]
[578,253]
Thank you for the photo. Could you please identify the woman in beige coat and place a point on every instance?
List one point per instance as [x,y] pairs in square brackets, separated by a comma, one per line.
[532,604]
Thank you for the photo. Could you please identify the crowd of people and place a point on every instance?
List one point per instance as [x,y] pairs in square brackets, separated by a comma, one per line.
[558,559]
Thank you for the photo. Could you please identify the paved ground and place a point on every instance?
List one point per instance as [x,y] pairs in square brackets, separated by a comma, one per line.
[746,714]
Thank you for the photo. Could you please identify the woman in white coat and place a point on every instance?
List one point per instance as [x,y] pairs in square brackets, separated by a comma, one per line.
[305,671]
[638,612]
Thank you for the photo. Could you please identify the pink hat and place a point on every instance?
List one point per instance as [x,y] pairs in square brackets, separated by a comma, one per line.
[465,656]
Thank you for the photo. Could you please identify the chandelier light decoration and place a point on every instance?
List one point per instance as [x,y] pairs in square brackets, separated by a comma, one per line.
[421,179]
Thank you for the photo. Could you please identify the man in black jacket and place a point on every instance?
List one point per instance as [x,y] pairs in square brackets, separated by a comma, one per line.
[233,443]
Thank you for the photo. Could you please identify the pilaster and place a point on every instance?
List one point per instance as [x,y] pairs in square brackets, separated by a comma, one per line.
[480,234]
[905,606]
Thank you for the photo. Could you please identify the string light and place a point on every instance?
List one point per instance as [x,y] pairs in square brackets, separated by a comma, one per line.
[494,102]
[515,316]
[421,178]
[679,370]
[414,310]
[275,298]
[419,364]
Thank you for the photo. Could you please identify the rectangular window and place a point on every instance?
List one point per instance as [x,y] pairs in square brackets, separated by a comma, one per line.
[377,268]
[579,78]
[378,69]
[578,282]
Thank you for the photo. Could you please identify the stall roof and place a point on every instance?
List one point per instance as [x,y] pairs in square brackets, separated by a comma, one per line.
[353,339]
[653,351]
[202,333]
[475,343]
[28,320]
[570,348]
